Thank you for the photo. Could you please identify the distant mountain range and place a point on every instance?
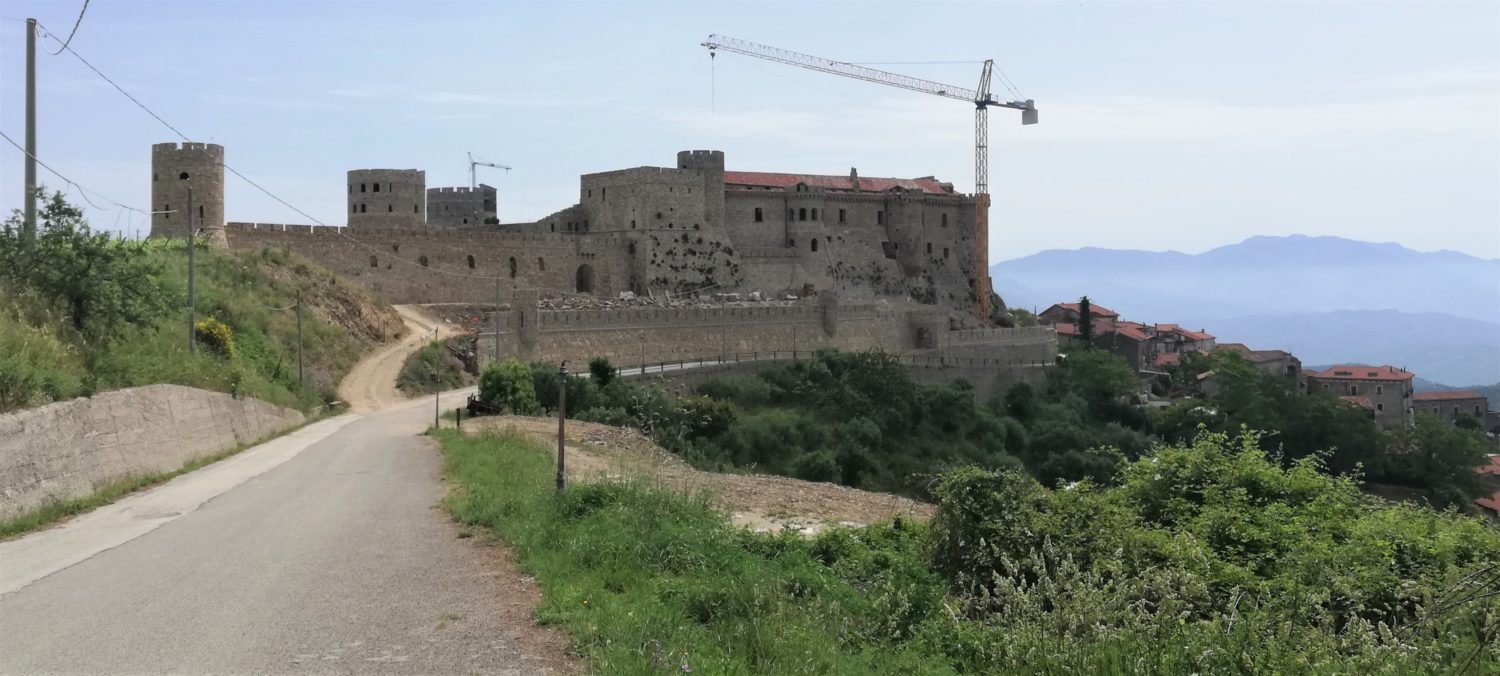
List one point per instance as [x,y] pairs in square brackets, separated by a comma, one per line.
[1326,299]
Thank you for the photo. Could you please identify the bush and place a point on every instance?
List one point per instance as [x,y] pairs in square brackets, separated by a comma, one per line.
[216,336]
[602,371]
[507,387]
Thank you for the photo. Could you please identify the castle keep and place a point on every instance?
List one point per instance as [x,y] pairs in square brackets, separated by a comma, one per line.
[882,262]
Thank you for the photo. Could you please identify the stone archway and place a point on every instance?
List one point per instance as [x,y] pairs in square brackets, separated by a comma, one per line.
[584,279]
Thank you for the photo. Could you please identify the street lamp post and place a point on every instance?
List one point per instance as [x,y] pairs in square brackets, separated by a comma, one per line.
[192,329]
[562,418]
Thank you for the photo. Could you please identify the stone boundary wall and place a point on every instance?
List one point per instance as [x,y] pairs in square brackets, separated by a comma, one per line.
[68,449]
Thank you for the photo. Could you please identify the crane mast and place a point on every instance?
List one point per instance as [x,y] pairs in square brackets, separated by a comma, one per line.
[980,97]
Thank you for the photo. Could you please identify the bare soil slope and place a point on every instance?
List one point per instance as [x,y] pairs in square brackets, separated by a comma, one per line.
[757,501]
[371,384]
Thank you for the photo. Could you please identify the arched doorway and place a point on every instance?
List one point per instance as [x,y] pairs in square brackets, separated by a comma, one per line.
[584,280]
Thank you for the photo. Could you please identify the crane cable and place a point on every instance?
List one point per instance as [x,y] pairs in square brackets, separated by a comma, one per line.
[75,28]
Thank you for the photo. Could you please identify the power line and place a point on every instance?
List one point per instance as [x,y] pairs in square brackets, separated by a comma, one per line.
[75,28]
[337,229]
[112,83]
[67,180]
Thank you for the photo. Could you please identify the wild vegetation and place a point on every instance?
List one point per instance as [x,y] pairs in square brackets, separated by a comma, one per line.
[1436,458]
[82,312]
[1206,557]
[434,368]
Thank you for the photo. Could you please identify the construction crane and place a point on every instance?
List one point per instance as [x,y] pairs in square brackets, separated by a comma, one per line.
[481,163]
[981,98]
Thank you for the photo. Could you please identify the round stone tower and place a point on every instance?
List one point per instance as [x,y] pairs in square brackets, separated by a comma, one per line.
[177,168]
[387,198]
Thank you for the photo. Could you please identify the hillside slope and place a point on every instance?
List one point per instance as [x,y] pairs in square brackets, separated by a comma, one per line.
[254,293]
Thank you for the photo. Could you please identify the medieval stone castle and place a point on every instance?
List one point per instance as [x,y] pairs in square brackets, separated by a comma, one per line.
[873,262]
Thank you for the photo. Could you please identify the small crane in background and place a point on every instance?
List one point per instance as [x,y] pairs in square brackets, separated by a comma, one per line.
[481,163]
[981,98]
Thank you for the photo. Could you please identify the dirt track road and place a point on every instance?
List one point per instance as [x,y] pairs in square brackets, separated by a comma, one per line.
[371,384]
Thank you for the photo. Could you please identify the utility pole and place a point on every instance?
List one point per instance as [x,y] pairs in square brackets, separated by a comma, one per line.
[28,231]
[562,419]
[192,330]
[437,417]
[299,337]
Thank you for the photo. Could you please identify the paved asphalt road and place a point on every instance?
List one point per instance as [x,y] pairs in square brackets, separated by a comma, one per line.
[337,559]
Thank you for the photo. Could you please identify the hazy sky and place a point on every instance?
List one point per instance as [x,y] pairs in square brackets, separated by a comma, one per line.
[1164,125]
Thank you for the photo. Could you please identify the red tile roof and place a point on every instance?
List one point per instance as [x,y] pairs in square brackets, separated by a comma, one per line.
[1491,467]
[1196,335]
[1362,402]
[760,179]
[1351,372]
[1096,310]
[1447,395]
[1066,329]
[1168,359]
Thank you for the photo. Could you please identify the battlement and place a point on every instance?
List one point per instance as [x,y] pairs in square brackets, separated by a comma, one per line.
[212,148]
[482,189]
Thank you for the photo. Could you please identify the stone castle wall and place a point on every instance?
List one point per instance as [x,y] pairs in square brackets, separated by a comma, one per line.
[460,207]
[387,198]
[69,449]
[175,169]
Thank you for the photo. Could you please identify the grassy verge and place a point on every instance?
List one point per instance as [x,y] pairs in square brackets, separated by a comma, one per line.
[55,512]
[648,581]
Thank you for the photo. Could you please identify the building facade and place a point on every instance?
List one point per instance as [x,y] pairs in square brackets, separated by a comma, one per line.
[1450,405]
[187,190]
[1387,389]
[462,207]
[387,198]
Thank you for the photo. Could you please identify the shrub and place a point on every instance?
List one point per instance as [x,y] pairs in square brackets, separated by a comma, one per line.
[507,386]
[602,371]
[216,336]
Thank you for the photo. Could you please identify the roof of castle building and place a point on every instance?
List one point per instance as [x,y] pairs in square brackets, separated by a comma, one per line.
[1095,310]
[1447,395]
[761,179]
[1357,372]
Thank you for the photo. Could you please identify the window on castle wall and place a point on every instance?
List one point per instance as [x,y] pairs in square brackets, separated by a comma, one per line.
[841,215]
[551,227]
[377,187]
[814,244]
[422,259]
[802,214]
[815,214]
[880,218]
[512,267]
[361,187]
[374,262]
[168,209]
[362,208]
[541,264]
[1379,390]
[353,208]
[632,224]
[945,220]
[471,261]
[945,252]
[200,211]
[791,243]
[466,221]
[390,208]
[1380,407]
[759,217]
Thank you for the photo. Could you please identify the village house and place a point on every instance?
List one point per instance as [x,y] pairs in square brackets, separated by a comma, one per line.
[1273,362]
[1449,405]
[1384,390]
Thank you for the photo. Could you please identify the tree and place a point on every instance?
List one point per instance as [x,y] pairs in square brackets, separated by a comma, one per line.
[506,387]
[1086,320]
[102,284]
[1438,457]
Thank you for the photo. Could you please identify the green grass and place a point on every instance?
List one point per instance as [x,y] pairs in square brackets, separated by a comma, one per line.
[58,511]
[43,360]
[646,581]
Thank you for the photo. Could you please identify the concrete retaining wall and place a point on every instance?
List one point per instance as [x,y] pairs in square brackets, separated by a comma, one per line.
[67,449]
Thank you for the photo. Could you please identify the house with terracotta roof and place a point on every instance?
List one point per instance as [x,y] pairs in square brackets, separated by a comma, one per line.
[1449,405]
[1489,474]
[1273,362]
[1387,388]
[1067,313]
